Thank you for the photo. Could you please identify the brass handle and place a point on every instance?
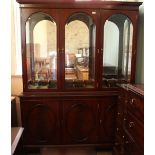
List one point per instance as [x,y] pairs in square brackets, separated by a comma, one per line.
[124,119]
[132,101]
[62,50]
[101,50]
[100,121]
[118,113]
[98,51]
[131,124]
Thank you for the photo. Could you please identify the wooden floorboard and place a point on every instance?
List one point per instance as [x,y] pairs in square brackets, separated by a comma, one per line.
[71,151]
[68,151]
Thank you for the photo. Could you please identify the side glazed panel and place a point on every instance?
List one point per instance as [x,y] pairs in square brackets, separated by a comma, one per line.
[40,121]
[79,121]
[118,53]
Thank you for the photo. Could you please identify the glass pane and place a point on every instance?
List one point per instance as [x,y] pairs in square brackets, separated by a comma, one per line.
[80,34]
[41,52]
[118,33]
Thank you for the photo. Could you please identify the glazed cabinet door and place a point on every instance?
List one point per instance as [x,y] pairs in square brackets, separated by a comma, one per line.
[117,53]
[107,117]
[79,42]
[40,119]
[40,42]
[79,121]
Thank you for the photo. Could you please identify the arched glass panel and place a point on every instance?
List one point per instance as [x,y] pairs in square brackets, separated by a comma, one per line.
[41,50]
[117,53]
[80,36]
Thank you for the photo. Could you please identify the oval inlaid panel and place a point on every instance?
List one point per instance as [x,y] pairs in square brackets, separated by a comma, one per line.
[80,121]
[41,122]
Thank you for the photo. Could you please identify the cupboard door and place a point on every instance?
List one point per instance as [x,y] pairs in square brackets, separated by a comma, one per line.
[79,121]
[107,117]
[40,119]
[79,28]
[40,49]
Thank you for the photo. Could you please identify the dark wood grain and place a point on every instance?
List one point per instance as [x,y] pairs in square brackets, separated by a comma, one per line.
[129,135]
[103,10]
[68,120]
[81,116]
[107,114]
[80,121]
[41,121]
[80,4]
[14,120]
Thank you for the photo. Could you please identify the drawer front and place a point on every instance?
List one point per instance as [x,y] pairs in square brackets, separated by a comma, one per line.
[135,105]
[122,100]
[135,128]
[131,148]
[118,145]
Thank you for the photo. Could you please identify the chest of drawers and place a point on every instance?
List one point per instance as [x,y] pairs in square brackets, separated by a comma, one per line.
[129,134]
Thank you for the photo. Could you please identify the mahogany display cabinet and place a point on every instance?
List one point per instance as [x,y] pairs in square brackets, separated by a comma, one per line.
[74,53]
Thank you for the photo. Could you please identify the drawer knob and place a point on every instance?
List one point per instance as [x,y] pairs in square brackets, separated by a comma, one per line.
[118,113]
[131,124]
[124,119]
[126,142]
[62,50]
[132,101]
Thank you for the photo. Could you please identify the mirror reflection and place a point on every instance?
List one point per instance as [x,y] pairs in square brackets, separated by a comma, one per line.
[117,50]
[41,51]
[79,51]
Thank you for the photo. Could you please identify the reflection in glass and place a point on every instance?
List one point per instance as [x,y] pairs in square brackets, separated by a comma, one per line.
[80,33]
[41,52]
[118,33]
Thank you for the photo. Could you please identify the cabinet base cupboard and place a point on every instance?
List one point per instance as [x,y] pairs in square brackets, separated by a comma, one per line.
[74,53]
[70,119]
